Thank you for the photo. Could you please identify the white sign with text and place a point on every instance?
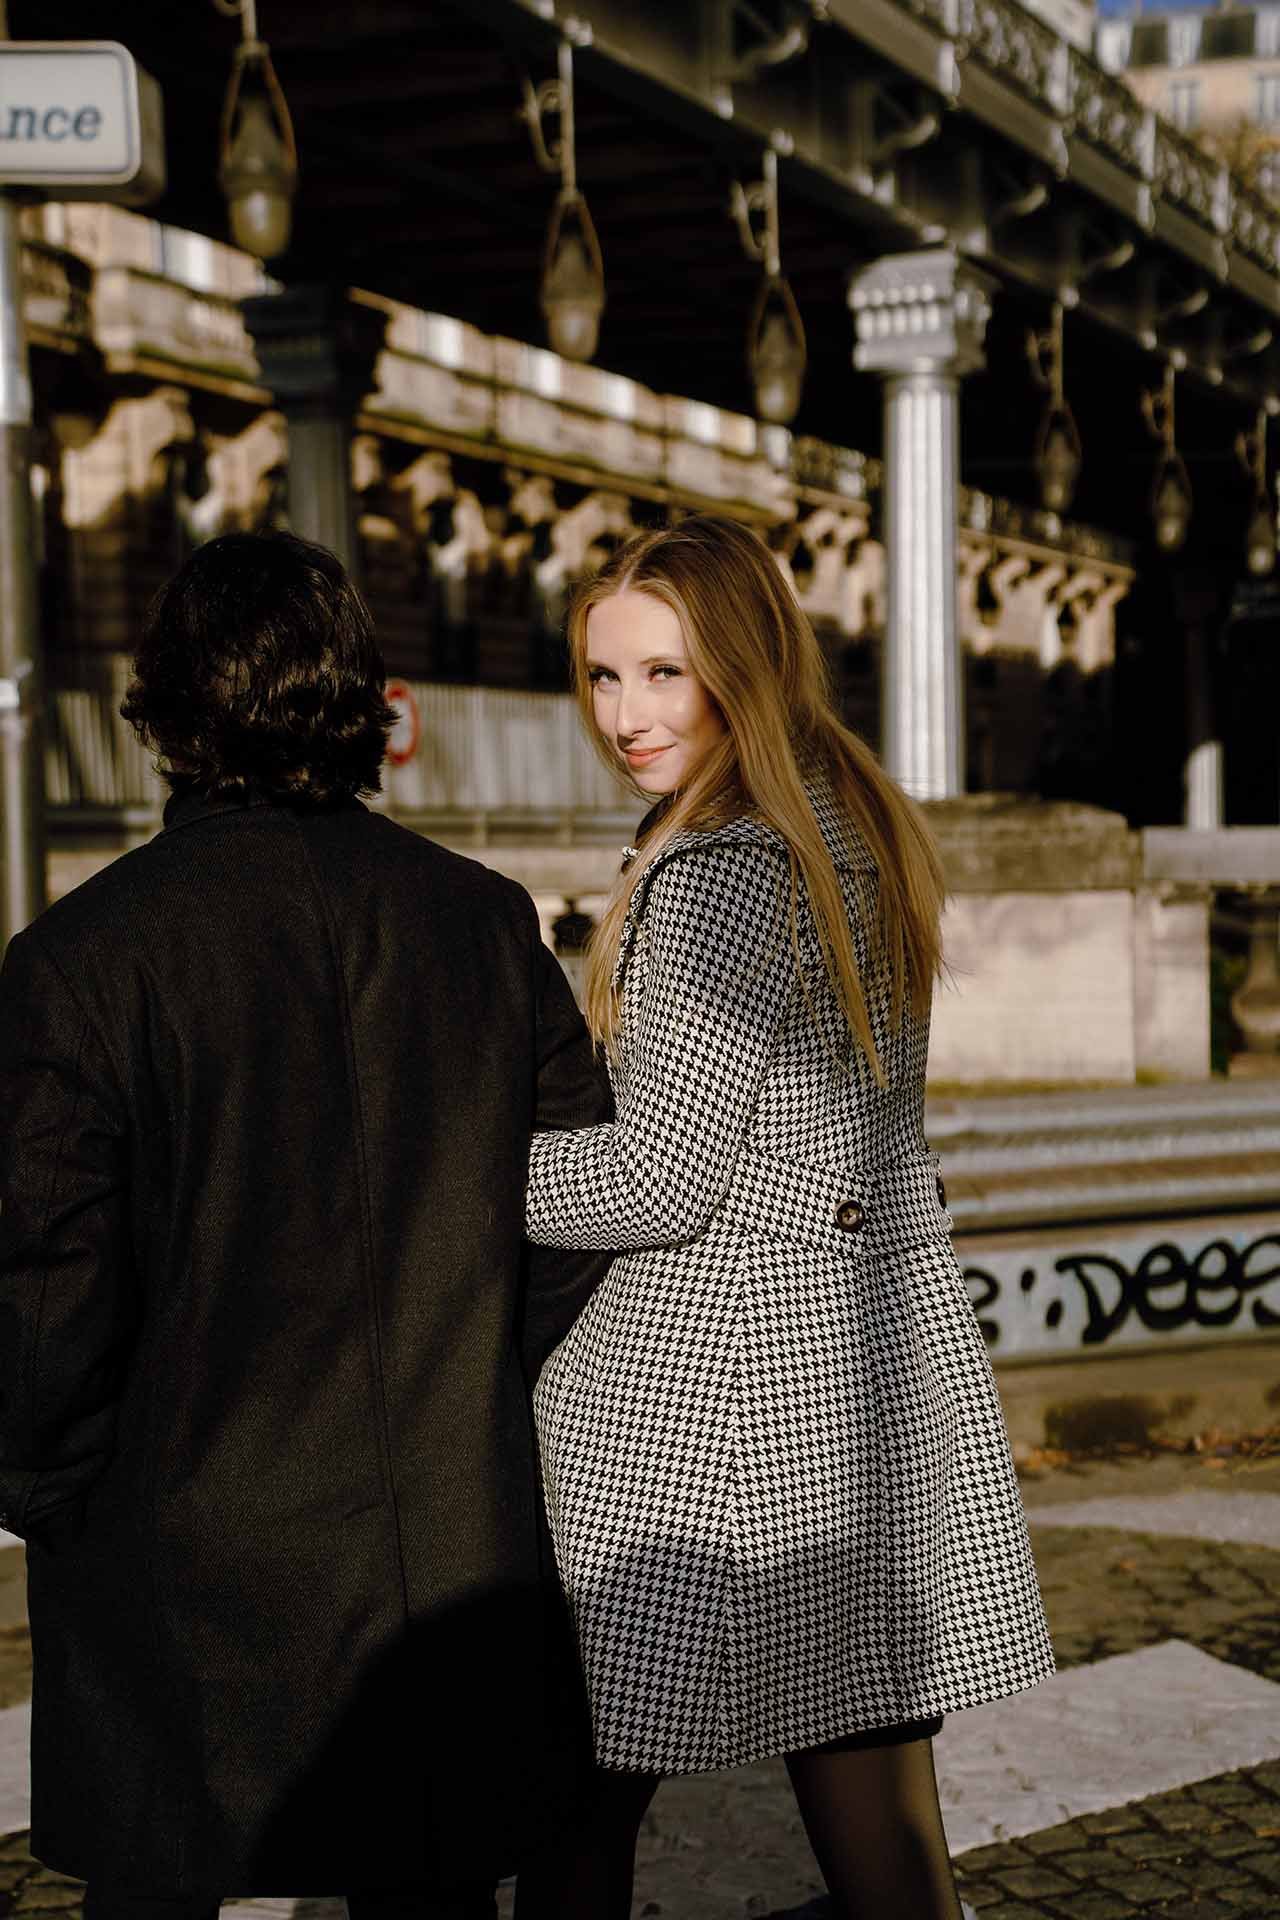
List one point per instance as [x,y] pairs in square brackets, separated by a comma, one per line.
[79,119]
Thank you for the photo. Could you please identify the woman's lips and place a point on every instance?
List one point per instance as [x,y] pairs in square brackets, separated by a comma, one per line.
[641,756]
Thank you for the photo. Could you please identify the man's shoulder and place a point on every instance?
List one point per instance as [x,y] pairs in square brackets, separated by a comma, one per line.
[412,859]
[111,896]
[119,903]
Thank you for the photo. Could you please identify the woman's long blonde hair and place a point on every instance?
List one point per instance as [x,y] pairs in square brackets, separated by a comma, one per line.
[758,658]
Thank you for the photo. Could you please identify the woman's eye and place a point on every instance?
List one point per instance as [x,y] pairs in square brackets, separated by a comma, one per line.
[667,673]
[596,674]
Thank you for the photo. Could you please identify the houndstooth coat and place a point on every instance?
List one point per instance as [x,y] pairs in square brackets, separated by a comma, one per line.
[776,1469]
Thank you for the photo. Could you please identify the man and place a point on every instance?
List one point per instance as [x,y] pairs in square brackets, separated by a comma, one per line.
[267,1319]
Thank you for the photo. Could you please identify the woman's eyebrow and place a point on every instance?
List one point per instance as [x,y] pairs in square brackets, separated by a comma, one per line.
[654,660]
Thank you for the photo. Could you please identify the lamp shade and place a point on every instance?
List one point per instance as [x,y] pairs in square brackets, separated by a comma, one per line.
[258,167]
[1058,461]
[1260,542]
[776,352]
[572,293]
[1171,504]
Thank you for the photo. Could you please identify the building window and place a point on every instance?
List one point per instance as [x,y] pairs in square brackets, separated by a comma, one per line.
[1266,98]
[1113,45]
[1267,29]
[1184,39]
[1184,104]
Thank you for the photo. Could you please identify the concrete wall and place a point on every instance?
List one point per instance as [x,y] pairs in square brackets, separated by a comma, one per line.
[1171,985]
[1068,961]
[1041,988]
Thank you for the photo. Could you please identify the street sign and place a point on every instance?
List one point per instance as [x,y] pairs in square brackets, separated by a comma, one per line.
[407,731]
[79,120]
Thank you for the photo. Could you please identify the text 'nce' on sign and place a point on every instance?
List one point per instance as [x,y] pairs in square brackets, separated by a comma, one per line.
[79,119]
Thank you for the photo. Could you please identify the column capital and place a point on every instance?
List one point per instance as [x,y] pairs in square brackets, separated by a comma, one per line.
[316,347]
[920,313]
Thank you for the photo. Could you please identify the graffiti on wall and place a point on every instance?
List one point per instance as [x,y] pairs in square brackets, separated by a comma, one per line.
[1123,1292]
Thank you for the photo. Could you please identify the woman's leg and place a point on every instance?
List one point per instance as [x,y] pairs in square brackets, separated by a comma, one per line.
[586,1872]
[874,1823]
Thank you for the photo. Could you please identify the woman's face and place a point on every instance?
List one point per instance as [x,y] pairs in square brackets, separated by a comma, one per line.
[648,703]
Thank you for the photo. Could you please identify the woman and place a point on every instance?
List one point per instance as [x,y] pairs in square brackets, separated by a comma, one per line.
[776,1469]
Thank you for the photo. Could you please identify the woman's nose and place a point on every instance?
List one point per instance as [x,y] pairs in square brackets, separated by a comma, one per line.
[631,715]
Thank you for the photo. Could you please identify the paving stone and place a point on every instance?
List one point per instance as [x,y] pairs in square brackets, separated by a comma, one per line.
[1223,1793]
[1035,1883]
[1143,1888]
[1149,1846]
[1095,1905]
[1262,1817]
[1114,1820]
[1229,1846]
[1184,1816]
[1014,1910]
[988,1859]
[1079,1864]
[1266,1866]
[1053,1839]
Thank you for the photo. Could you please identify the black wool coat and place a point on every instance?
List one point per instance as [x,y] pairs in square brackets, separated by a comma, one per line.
[268,1326]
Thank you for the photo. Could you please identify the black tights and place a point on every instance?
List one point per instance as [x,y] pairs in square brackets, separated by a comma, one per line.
[871,1813]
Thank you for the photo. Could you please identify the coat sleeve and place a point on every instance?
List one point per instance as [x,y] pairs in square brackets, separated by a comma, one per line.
[67,1292]
[572,1091]
[721,973]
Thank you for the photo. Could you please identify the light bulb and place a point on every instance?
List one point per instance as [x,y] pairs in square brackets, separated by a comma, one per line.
[776,353]
[257,172]
[1260,543]
[1059,463]
[572,289]
[1171,508]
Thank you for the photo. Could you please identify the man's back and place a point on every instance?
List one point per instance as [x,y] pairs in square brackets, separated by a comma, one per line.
[269,1431]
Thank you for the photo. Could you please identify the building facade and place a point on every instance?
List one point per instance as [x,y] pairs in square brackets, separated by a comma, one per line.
[1214,73]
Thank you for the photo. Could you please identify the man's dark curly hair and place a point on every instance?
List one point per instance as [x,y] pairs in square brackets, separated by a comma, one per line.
[258,669]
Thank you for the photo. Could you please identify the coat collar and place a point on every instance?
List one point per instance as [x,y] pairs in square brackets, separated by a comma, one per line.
[843,843]
[188,806]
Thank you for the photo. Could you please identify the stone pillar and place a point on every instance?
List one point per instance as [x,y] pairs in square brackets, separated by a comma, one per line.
[317,350]
[921,318]
[1203,774]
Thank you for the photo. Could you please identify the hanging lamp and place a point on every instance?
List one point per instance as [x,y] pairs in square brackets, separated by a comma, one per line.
[257,157]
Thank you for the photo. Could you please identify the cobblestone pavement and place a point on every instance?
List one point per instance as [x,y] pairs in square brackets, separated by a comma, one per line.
[1204,1852]
[1107,1593]
[730,1846]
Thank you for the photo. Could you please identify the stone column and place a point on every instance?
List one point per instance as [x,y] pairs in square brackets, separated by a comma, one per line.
[317,349]
[1202,777]
[921,318]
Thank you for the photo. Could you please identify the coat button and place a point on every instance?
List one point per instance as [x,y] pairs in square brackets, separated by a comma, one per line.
[850,1215]
[942,1191]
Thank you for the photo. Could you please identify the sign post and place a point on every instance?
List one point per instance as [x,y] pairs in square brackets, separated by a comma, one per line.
[78,121]
[21,754]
